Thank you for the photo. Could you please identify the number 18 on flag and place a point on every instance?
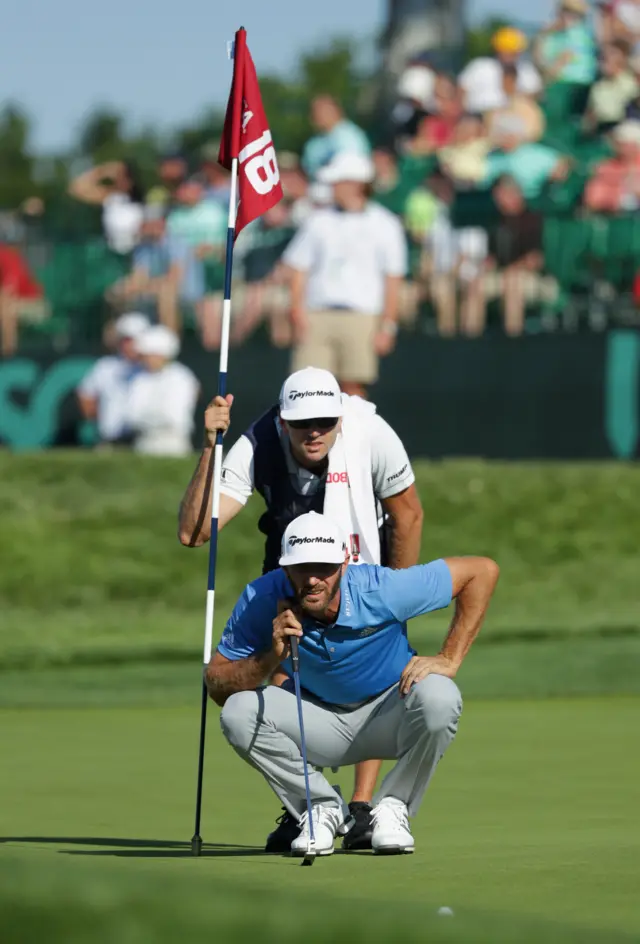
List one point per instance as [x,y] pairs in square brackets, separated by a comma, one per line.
[246,136]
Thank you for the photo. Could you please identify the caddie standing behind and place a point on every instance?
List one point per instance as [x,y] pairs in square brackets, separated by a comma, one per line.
[324,451]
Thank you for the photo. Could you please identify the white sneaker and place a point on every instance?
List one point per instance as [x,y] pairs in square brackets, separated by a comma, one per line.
[327,822]
[391,833]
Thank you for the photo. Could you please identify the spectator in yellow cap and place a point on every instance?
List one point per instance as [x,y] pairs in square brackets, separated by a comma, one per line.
[509,43]
[482,79]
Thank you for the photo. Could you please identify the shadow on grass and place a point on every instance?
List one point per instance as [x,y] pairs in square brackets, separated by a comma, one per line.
[151,848]
[135,848]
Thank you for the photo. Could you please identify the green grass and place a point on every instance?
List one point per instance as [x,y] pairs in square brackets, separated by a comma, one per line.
[527,832]
[91,569]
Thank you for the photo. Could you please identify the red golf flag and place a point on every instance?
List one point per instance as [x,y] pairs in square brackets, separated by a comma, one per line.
[246,136]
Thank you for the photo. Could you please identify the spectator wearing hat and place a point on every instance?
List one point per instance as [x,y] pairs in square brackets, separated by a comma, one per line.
[615,185]
[566,54]
[336,135]
[348,263]
[611,95]
[102,394]
[415,92]
[162,397]
[482,79]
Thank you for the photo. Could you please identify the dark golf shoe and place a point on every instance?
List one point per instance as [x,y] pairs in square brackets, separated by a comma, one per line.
[359,836]
[279,841]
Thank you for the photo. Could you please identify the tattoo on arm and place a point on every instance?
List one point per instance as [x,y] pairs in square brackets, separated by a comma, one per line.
[224,680]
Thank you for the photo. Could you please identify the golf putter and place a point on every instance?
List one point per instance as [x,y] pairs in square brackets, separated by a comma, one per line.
[295,660]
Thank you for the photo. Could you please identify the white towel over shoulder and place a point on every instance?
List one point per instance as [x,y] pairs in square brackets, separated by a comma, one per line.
[349,497]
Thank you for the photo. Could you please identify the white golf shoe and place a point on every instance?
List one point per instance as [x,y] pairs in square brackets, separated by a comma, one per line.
[391,833]
[328,821]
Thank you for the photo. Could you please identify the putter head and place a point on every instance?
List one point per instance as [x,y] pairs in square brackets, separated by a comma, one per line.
[310,855]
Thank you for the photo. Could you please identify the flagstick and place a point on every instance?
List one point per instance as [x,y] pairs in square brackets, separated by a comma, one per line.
[196,841]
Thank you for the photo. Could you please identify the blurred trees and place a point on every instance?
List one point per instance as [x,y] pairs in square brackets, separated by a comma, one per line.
[16,160]
[479,37]
[105,134]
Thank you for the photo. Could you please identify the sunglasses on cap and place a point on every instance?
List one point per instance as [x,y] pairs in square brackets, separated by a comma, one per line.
[324,423]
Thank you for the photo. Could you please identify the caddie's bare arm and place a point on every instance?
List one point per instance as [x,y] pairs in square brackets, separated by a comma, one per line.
[225,677]
[194,522]
[405,527]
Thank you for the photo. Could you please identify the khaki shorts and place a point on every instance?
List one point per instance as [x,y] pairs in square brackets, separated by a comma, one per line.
[535,286]
[342,342]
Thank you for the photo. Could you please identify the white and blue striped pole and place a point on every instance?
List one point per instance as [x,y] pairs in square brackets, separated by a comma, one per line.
[196,841]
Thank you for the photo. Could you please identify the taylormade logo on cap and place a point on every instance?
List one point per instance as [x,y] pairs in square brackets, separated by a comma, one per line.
[297,394]
[313,539]
[310,393]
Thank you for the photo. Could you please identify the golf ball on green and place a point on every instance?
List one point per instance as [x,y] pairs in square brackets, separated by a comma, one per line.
[448,912]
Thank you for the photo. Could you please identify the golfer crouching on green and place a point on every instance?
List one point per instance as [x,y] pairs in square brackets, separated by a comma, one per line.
[366,693]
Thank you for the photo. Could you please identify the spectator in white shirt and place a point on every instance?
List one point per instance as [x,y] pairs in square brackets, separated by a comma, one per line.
[482,79]
[162,397]
[103,393]
[348,262]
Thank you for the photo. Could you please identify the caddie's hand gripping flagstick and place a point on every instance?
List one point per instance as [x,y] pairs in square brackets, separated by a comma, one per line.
[247,151]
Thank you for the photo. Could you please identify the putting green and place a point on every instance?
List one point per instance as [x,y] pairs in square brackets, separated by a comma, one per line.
[528,830]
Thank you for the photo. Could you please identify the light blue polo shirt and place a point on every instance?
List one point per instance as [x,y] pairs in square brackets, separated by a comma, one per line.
[530,165]
[365,651]
[345,137]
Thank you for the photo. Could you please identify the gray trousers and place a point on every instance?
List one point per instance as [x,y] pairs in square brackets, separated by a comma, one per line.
[262,727]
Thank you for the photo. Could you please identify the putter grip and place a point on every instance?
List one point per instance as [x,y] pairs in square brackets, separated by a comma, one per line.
[295,653]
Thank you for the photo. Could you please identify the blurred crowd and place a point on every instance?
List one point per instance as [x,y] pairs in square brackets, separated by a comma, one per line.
[471,168]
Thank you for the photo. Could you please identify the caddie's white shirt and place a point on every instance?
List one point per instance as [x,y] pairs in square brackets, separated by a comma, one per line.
[108,382]
[161,410]
[347,256]
[481,82]
[391,470]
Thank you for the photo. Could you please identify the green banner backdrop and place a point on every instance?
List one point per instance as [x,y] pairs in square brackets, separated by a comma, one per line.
[543,397]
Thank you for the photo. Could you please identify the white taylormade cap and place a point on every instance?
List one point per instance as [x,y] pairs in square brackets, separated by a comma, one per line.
[312,539]
[309,394]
